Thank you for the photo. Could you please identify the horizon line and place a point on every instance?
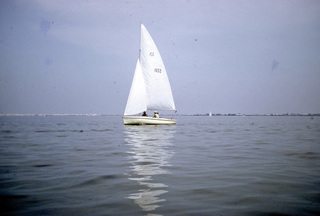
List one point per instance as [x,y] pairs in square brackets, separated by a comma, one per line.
[184,114]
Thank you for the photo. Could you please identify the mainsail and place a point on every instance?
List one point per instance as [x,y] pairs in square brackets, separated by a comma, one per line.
[150,89]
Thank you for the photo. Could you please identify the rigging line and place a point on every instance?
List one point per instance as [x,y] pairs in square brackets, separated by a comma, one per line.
[174,114]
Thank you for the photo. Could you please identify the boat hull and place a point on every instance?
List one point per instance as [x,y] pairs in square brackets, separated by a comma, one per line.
[142,120]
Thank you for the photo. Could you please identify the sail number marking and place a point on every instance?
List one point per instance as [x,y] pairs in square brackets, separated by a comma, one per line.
[157,70]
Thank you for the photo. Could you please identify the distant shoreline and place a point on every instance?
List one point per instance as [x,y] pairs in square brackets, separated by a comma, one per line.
[205,114]
[240,114]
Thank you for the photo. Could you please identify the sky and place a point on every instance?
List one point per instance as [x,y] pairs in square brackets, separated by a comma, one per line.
[79,56]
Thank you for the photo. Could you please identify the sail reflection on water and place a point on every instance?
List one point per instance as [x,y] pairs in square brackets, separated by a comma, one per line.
[149,155]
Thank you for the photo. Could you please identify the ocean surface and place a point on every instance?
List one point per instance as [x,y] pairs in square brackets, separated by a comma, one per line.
[94,165]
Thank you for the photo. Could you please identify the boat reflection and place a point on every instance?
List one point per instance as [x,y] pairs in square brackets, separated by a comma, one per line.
[149,155]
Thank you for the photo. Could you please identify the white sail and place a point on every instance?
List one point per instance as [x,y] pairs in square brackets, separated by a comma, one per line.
[137,97]
[158,90]
[150,89]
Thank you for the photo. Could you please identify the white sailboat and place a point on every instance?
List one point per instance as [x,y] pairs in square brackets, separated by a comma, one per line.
[150,89]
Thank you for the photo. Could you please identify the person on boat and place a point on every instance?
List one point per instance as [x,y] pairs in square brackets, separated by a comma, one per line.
[156,114]
[144,114]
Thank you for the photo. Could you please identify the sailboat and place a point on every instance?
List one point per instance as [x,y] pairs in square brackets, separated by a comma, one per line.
[150,88]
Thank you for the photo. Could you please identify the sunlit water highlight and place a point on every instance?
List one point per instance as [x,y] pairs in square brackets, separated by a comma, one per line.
[94,165]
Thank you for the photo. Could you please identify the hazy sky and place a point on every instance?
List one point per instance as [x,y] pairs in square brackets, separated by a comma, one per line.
[237,56]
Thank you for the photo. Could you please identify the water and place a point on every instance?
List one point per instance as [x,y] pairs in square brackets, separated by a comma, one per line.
[94,165]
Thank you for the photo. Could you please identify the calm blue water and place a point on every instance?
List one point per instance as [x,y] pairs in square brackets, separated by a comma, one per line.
[94,165]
